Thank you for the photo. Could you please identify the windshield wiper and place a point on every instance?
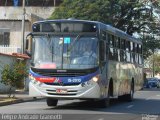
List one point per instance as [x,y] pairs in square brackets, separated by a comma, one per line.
[51,45]
[72,45]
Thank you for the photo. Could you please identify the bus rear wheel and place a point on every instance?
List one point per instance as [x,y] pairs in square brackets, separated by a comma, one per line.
[51,102]
[129,97]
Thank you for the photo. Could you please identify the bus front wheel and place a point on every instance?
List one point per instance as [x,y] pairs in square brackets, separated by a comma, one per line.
[106,101]
[51,102]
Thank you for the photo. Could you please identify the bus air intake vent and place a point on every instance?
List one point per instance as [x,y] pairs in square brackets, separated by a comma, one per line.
[60,74]
[68,84]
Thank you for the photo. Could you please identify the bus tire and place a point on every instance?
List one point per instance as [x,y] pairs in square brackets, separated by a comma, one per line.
[129,97]
[51,102]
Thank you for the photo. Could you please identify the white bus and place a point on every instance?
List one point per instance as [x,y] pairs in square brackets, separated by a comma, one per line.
[79,59]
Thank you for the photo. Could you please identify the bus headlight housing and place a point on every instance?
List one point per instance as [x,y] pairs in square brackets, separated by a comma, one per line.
[34,81]
[95,78]
[91,81]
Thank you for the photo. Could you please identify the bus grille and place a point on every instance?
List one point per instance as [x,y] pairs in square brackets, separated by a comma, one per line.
[60,74]
[57,84]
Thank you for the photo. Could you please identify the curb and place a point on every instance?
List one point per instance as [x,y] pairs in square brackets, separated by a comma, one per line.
[20,101]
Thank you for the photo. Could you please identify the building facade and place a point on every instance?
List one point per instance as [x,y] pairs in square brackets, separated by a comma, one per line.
[11,20]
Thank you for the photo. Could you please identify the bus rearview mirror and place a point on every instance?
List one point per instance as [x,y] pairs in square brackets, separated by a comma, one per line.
[28,48]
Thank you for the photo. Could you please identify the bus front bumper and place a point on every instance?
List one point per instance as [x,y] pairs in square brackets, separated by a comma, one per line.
[91,91]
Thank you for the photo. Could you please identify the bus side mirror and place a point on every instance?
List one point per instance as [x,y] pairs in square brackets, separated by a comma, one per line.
[28,48]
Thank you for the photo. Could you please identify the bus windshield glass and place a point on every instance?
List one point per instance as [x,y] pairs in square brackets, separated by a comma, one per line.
[65,52]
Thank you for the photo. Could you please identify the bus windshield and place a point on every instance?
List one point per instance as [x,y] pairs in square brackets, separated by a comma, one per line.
[65,52]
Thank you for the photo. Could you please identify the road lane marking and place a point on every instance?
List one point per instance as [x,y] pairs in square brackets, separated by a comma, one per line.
[152,97]
[101,119]
[130,106]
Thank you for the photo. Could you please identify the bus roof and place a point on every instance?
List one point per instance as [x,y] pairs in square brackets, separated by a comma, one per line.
[109,28]
[122,34]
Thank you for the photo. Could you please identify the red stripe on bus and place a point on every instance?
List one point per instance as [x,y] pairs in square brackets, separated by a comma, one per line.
[48,80]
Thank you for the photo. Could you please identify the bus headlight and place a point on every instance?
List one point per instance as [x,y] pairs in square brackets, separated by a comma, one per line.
[91,81]
[32,79]
[95,78]
[39,83]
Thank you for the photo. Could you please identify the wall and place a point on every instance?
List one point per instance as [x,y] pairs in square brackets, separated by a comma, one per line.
[6,59]
[15,13]
[11,19]
[15,30]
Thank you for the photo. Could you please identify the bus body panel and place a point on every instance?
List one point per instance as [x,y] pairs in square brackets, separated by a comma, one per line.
[122,75]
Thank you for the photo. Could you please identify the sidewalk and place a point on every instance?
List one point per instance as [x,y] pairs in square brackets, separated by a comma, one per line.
[20,96]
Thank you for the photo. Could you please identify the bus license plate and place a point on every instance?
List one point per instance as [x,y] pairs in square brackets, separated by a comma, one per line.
[62,91]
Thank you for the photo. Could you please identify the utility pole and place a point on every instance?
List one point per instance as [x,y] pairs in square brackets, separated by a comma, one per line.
[54,3]
[153,51]
[23,28]
[153,65]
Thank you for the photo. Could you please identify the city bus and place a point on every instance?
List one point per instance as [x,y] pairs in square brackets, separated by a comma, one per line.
[81,59]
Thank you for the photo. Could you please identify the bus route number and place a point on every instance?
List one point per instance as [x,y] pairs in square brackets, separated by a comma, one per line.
[74,80]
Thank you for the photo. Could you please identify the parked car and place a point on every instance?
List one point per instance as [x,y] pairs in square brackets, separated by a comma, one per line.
[152,83]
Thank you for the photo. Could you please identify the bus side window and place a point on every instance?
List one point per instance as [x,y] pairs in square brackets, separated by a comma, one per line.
[128,48]
[119,42]
[102,51]
[111,40]
[135,47]
[111,54]
[128,55]
[119,56]
[103,35]
[115,54]
[136,58]
[127,45]
[122,44]
[140,49]
[132,58]
[132,46]
[140,59]
[122,55]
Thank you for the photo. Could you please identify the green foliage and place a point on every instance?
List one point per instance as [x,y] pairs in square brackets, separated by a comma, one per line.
[131,16]
[156,58]
[13,75]
[83,9]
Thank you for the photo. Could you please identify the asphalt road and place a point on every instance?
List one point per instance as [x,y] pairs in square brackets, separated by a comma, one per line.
[146,106]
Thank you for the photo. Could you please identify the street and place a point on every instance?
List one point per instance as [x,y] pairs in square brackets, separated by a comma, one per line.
[146,103]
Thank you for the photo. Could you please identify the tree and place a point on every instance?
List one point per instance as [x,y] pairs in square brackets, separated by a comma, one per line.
[83,9]
[13,75]
[131,16]
[153,60]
